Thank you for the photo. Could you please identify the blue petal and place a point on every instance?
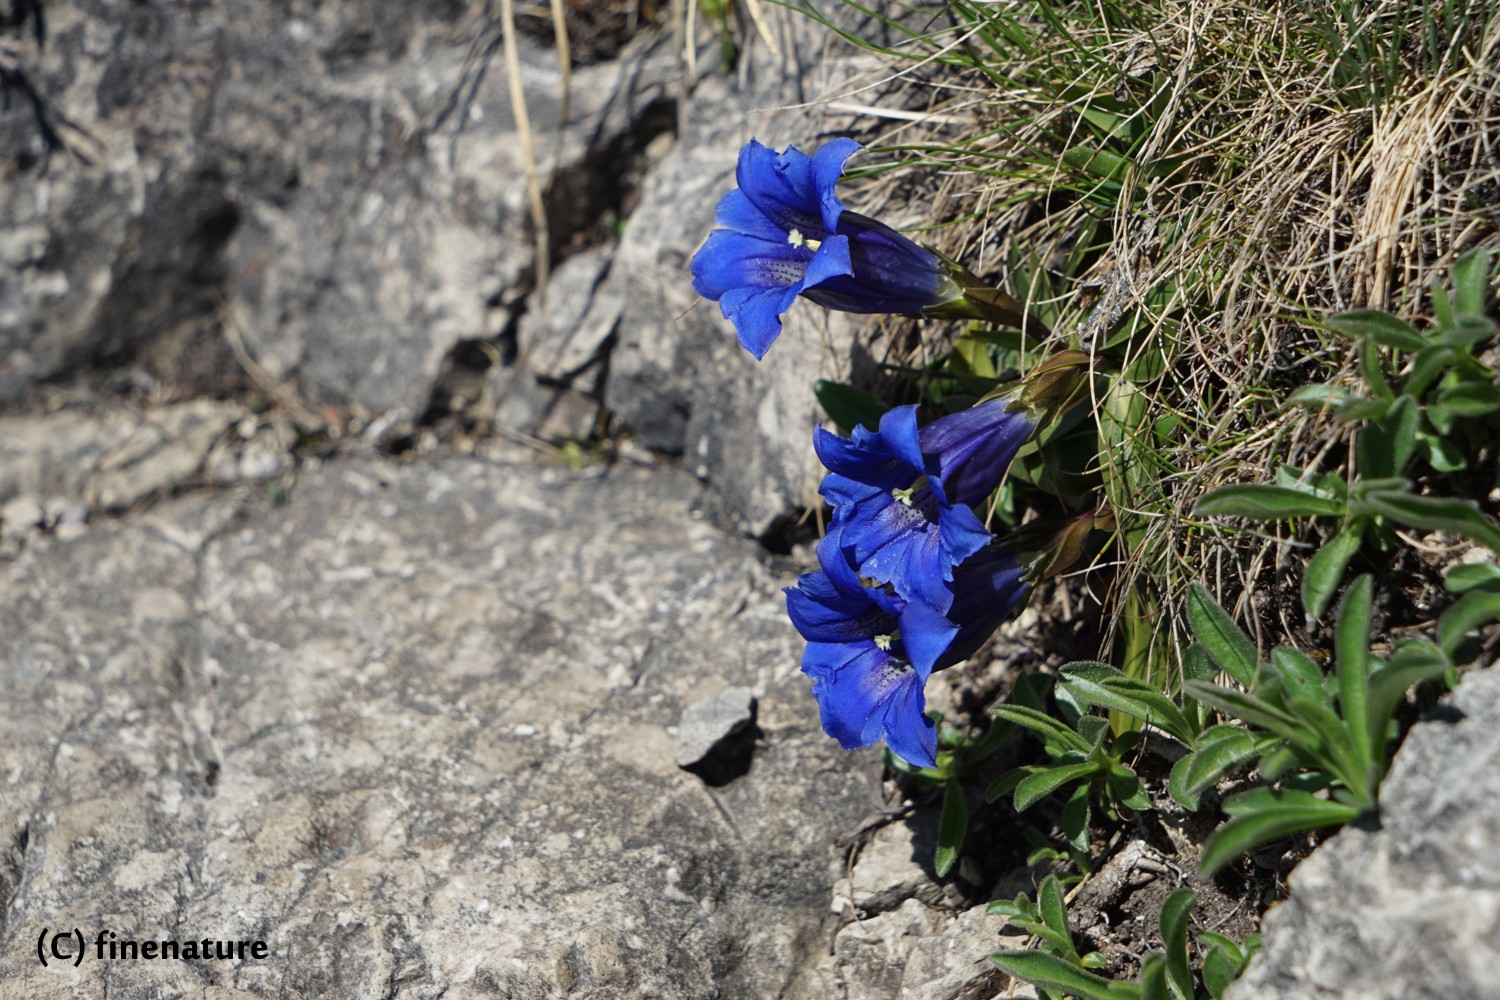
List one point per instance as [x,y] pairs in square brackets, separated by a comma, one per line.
[962,533]
[925,634]
[729,260]
[739,213]
[756,313]
[827,166]
[841,491]
[908,732]
[890,458]
[782,188]
[873,696]
[831,260]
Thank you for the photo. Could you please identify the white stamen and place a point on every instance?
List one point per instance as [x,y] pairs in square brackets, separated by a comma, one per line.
[796,239]
[883,642]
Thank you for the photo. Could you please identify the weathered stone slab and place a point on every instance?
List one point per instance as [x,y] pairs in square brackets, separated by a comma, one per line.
[414,729]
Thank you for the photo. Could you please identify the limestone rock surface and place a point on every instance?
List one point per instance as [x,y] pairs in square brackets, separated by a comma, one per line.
[1411,910]
[414,729]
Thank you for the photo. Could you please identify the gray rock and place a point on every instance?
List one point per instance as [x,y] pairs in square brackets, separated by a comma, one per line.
[708,722]
[955,964]
[109,458]
[1410,910]
[872,953]
[317,178]
[894,865]
[411,729]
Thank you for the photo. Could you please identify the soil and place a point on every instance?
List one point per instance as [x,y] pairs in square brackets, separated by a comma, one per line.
[597,29]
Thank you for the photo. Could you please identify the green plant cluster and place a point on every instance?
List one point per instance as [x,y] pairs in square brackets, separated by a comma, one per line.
[1056,967]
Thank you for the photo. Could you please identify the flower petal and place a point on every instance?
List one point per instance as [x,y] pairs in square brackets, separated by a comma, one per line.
[827,166]
[729,260]
[781,186]
[756,313]
[909,733]
[875,695]
[971,449]
[925,634]
[831,260]
[738,213]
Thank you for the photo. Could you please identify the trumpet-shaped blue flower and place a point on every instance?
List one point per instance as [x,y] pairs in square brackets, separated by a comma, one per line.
[990,587]
[869,655]
[970,450]
[783,233]
[894,516]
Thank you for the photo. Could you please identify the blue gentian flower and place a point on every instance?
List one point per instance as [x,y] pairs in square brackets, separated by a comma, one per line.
[971,449]
[783,233]
[869,654]
[894,516]
[989,588]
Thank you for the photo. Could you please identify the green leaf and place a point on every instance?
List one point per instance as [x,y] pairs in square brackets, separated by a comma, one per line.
[1174,934]
[1153,977]
[1222,750]
[1471,277]
[1230,647]
[1464,577]
[1246,707]
[1268,814]
[1331,747]
[1052,973]
[1263,502]
[1466,331]
[847,406]
[1426,367]
[952,828]
[1318,397]
[1223,962]
[1076,817]
[1300,676]
[1043,725]
[1356,409]
[1471,399]
[1476,608]
[1414,661]
[1317,483]
[1042,780]
[1380,327]
[1437,514]
[1320,579]
[1054,912]
[1440,453]
[1351,639]
[1372,370]
[1099,162]
[1103,686]
[1385,446]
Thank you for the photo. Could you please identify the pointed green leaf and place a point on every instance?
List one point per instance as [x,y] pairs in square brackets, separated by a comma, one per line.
[1230,648]
[1153,977]
[1471,278]
[1052,973]
[1049,902]
[1320,580]
[1300,676]
[1263,502]
[1268,814]
[1385,446]
[1103,686]
[1437,514]
[1413,662]
[1380,327]
[1318,397]
[1043,725]
[1476,608]
[1472,399]
[1222,750]
[952,828]
[1174,934]
[1043,781]
[1351,639]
